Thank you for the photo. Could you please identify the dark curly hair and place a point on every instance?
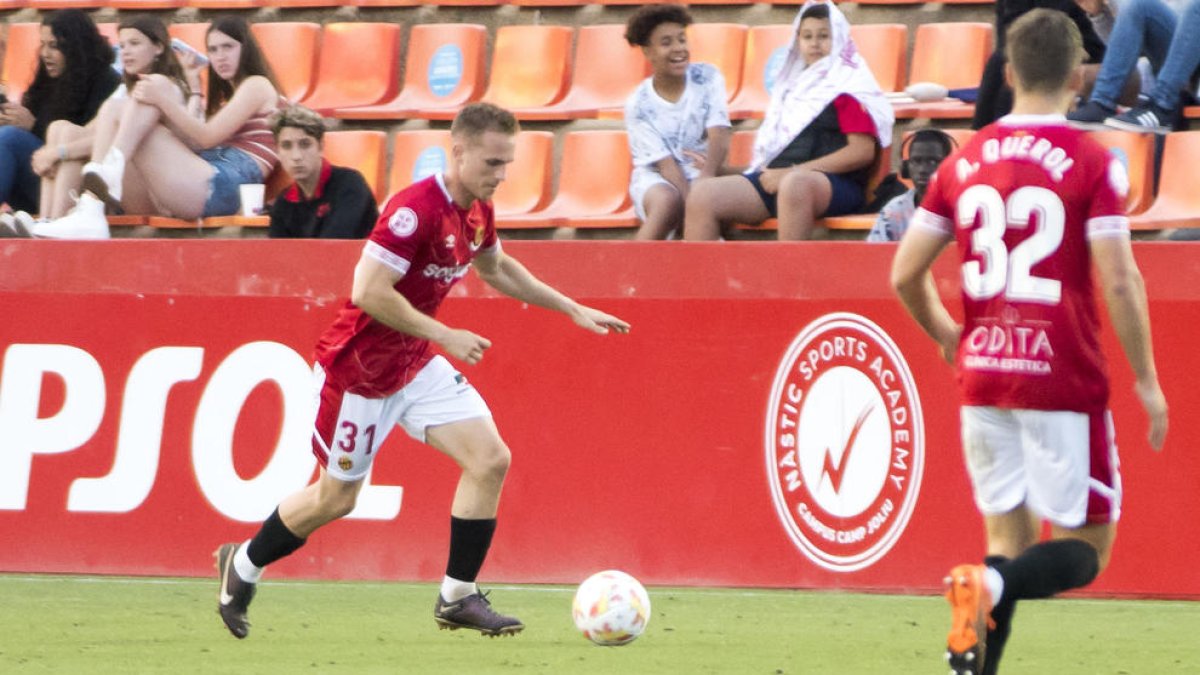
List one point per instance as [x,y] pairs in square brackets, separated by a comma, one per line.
[86,54]
[252,62]
[645,20]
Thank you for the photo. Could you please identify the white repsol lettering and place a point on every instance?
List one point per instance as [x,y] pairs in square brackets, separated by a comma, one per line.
[445,274]
[138,441]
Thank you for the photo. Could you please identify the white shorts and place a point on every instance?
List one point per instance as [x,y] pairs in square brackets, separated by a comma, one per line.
[1061,464]
[640,183]
[349,428]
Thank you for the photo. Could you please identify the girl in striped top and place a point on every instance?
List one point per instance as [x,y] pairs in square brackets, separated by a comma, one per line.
[192,168]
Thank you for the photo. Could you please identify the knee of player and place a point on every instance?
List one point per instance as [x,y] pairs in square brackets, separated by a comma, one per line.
[493,461]
[338,503]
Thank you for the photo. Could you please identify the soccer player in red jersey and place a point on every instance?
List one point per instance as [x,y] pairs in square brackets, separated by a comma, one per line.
[376,368]
[1034,206]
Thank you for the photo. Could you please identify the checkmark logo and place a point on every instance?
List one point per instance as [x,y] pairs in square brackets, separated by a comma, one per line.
[835,470]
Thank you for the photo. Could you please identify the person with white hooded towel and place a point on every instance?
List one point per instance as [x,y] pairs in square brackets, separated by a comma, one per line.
[823,131]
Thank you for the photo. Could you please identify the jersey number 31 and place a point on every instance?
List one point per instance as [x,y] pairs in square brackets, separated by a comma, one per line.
[999,270]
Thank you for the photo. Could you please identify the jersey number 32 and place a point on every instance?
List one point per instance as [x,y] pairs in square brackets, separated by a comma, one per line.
[999,270]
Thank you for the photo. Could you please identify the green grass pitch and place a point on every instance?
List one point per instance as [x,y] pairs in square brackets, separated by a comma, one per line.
[52,624]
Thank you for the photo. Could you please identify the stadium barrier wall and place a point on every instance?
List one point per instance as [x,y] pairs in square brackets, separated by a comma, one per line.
[774,418]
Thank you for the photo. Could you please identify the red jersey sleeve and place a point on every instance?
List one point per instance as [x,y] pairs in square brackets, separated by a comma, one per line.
[852,116]
[936,212]
[397,235]
[1106,210]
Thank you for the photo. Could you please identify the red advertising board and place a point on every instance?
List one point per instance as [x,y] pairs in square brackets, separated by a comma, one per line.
[773,419]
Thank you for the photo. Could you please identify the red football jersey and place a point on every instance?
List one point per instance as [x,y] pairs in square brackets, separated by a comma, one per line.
[1023,198]
[426,237]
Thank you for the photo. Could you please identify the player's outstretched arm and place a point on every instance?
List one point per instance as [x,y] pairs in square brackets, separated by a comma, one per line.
[374,292]
[914,284]
[507,275]
[1125,295]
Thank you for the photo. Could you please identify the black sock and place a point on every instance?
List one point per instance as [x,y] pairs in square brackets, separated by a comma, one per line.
[273,541]
[469,544]
[1002,614]
[1049,568]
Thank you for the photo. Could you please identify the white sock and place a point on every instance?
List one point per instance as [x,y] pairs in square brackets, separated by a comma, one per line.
[994,583]
[246,570]
[453,589]
[115,158]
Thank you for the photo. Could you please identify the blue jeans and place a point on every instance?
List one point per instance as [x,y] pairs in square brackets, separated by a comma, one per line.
[231,167]
[1170,41]
[19,185]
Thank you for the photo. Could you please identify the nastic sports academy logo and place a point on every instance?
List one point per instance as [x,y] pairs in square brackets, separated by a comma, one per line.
[845,442]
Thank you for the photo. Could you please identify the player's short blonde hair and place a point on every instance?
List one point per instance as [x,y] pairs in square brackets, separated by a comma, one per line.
[477,118]
[1044,47]
[298,117]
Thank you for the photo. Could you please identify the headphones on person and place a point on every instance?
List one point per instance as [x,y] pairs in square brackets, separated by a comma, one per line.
[924,135]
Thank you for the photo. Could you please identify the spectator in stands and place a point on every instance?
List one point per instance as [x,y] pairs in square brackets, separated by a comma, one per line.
[154,133]
[145,47]
[1169,40]
[325,201]
[677,120]
[74,76]
[813,154]
[995,98]
[926,149]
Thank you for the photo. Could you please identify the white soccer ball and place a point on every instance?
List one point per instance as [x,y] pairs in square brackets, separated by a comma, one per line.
[611,608]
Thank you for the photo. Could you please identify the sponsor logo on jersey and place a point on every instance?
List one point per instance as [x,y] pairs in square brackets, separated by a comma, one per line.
[444,273]
[845,442]
[449,241]
[403,222]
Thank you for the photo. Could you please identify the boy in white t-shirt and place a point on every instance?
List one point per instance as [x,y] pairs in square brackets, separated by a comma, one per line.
[677,120]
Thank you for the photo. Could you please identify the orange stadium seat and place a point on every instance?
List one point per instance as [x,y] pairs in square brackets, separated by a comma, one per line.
[443,71]
[22,42]
[607,70]
[343,78]
[741,148]
[225,4]
[145,4]
[722,45]
[291,50]
[363,150]
[950,54]
[417,154]
[526,187]
[1136,152]
[64,4]
[1178,201]
[192,33]
[883,47]
[531,66]
[591,192]
[766,49]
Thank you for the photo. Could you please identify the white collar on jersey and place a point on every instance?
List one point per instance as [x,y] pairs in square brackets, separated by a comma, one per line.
[1033,120]
[441,181]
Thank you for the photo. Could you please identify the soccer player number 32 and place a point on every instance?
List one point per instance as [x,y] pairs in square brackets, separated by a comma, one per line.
[1002,271]
[350,439]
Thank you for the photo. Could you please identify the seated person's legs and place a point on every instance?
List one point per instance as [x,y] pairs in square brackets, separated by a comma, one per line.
[715,203]
[660,208]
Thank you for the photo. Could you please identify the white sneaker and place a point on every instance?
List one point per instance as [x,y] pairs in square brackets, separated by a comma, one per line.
[103,178]
[8,229]
[23,224]
[85,221]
